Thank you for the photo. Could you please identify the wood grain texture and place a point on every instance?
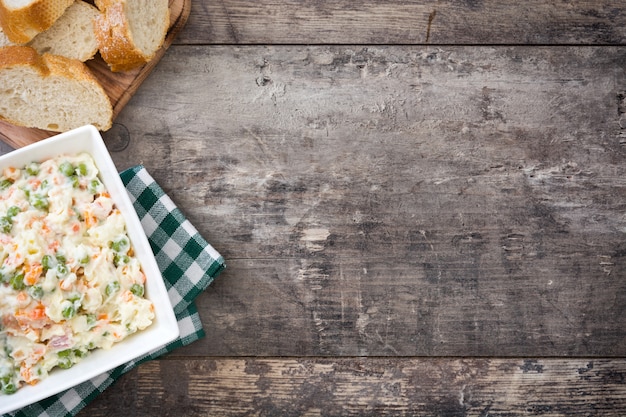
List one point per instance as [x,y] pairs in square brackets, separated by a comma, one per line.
[397,201]
[412,227]
[369,387]
[432,22]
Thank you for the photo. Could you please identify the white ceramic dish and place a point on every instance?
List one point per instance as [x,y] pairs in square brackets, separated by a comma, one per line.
[163,330]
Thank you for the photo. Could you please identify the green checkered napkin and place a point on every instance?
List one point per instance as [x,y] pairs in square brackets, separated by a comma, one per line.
[188,264]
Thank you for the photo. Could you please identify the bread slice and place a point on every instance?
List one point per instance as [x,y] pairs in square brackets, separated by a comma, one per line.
[72,35]
[50,92]
[130,32]
[22,20]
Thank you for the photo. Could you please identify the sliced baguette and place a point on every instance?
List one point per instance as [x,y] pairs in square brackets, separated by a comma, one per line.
[22,20]
[50,92]
[130,32]
[72,35]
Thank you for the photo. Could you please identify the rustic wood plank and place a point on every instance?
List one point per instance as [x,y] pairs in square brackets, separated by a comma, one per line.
[368,387]
[397,200]
[406,22]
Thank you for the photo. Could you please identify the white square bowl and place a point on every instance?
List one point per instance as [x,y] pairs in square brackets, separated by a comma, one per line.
[164,328]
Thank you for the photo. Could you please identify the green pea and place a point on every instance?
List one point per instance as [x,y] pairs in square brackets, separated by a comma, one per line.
[120,245]
[69,311]
[5,183]
[6,224]
[9,388]
[111,288]
[36,292]
[48,262]
[85,259]
[75,181]
[13,211]
[39,201]
[62,269]
[65,363]
[61,258]
[91,319]
[120,259]
[64,353]
[94,186]
[82,169]
[66,169]
[32,168]
[137,289]
[17,282]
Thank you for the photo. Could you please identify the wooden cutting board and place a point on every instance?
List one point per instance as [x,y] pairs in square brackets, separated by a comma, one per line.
[120,86]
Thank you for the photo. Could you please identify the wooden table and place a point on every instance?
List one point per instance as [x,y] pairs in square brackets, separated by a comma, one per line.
[422,205]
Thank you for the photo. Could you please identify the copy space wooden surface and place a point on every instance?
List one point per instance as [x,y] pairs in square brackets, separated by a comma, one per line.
[370,387]
[474,22]
[422,206]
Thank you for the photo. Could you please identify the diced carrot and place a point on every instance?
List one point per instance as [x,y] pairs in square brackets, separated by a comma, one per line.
[54,245]
[25,372]
[10,172]
[35,183]
[127,296]
[37,313]
[76,228]
[14,259]
[22,296]
[103,316]
[90,219]
[105,194]
[32,272]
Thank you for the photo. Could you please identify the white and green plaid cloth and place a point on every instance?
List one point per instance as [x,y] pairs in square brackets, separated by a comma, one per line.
[188,264]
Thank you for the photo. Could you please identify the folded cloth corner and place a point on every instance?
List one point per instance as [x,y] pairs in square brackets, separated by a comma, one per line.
[188,263]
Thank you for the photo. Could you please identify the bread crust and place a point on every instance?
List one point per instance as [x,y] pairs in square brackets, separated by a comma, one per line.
[16,55]
[70,68]
[23,24]
[115,39]
[54,65]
